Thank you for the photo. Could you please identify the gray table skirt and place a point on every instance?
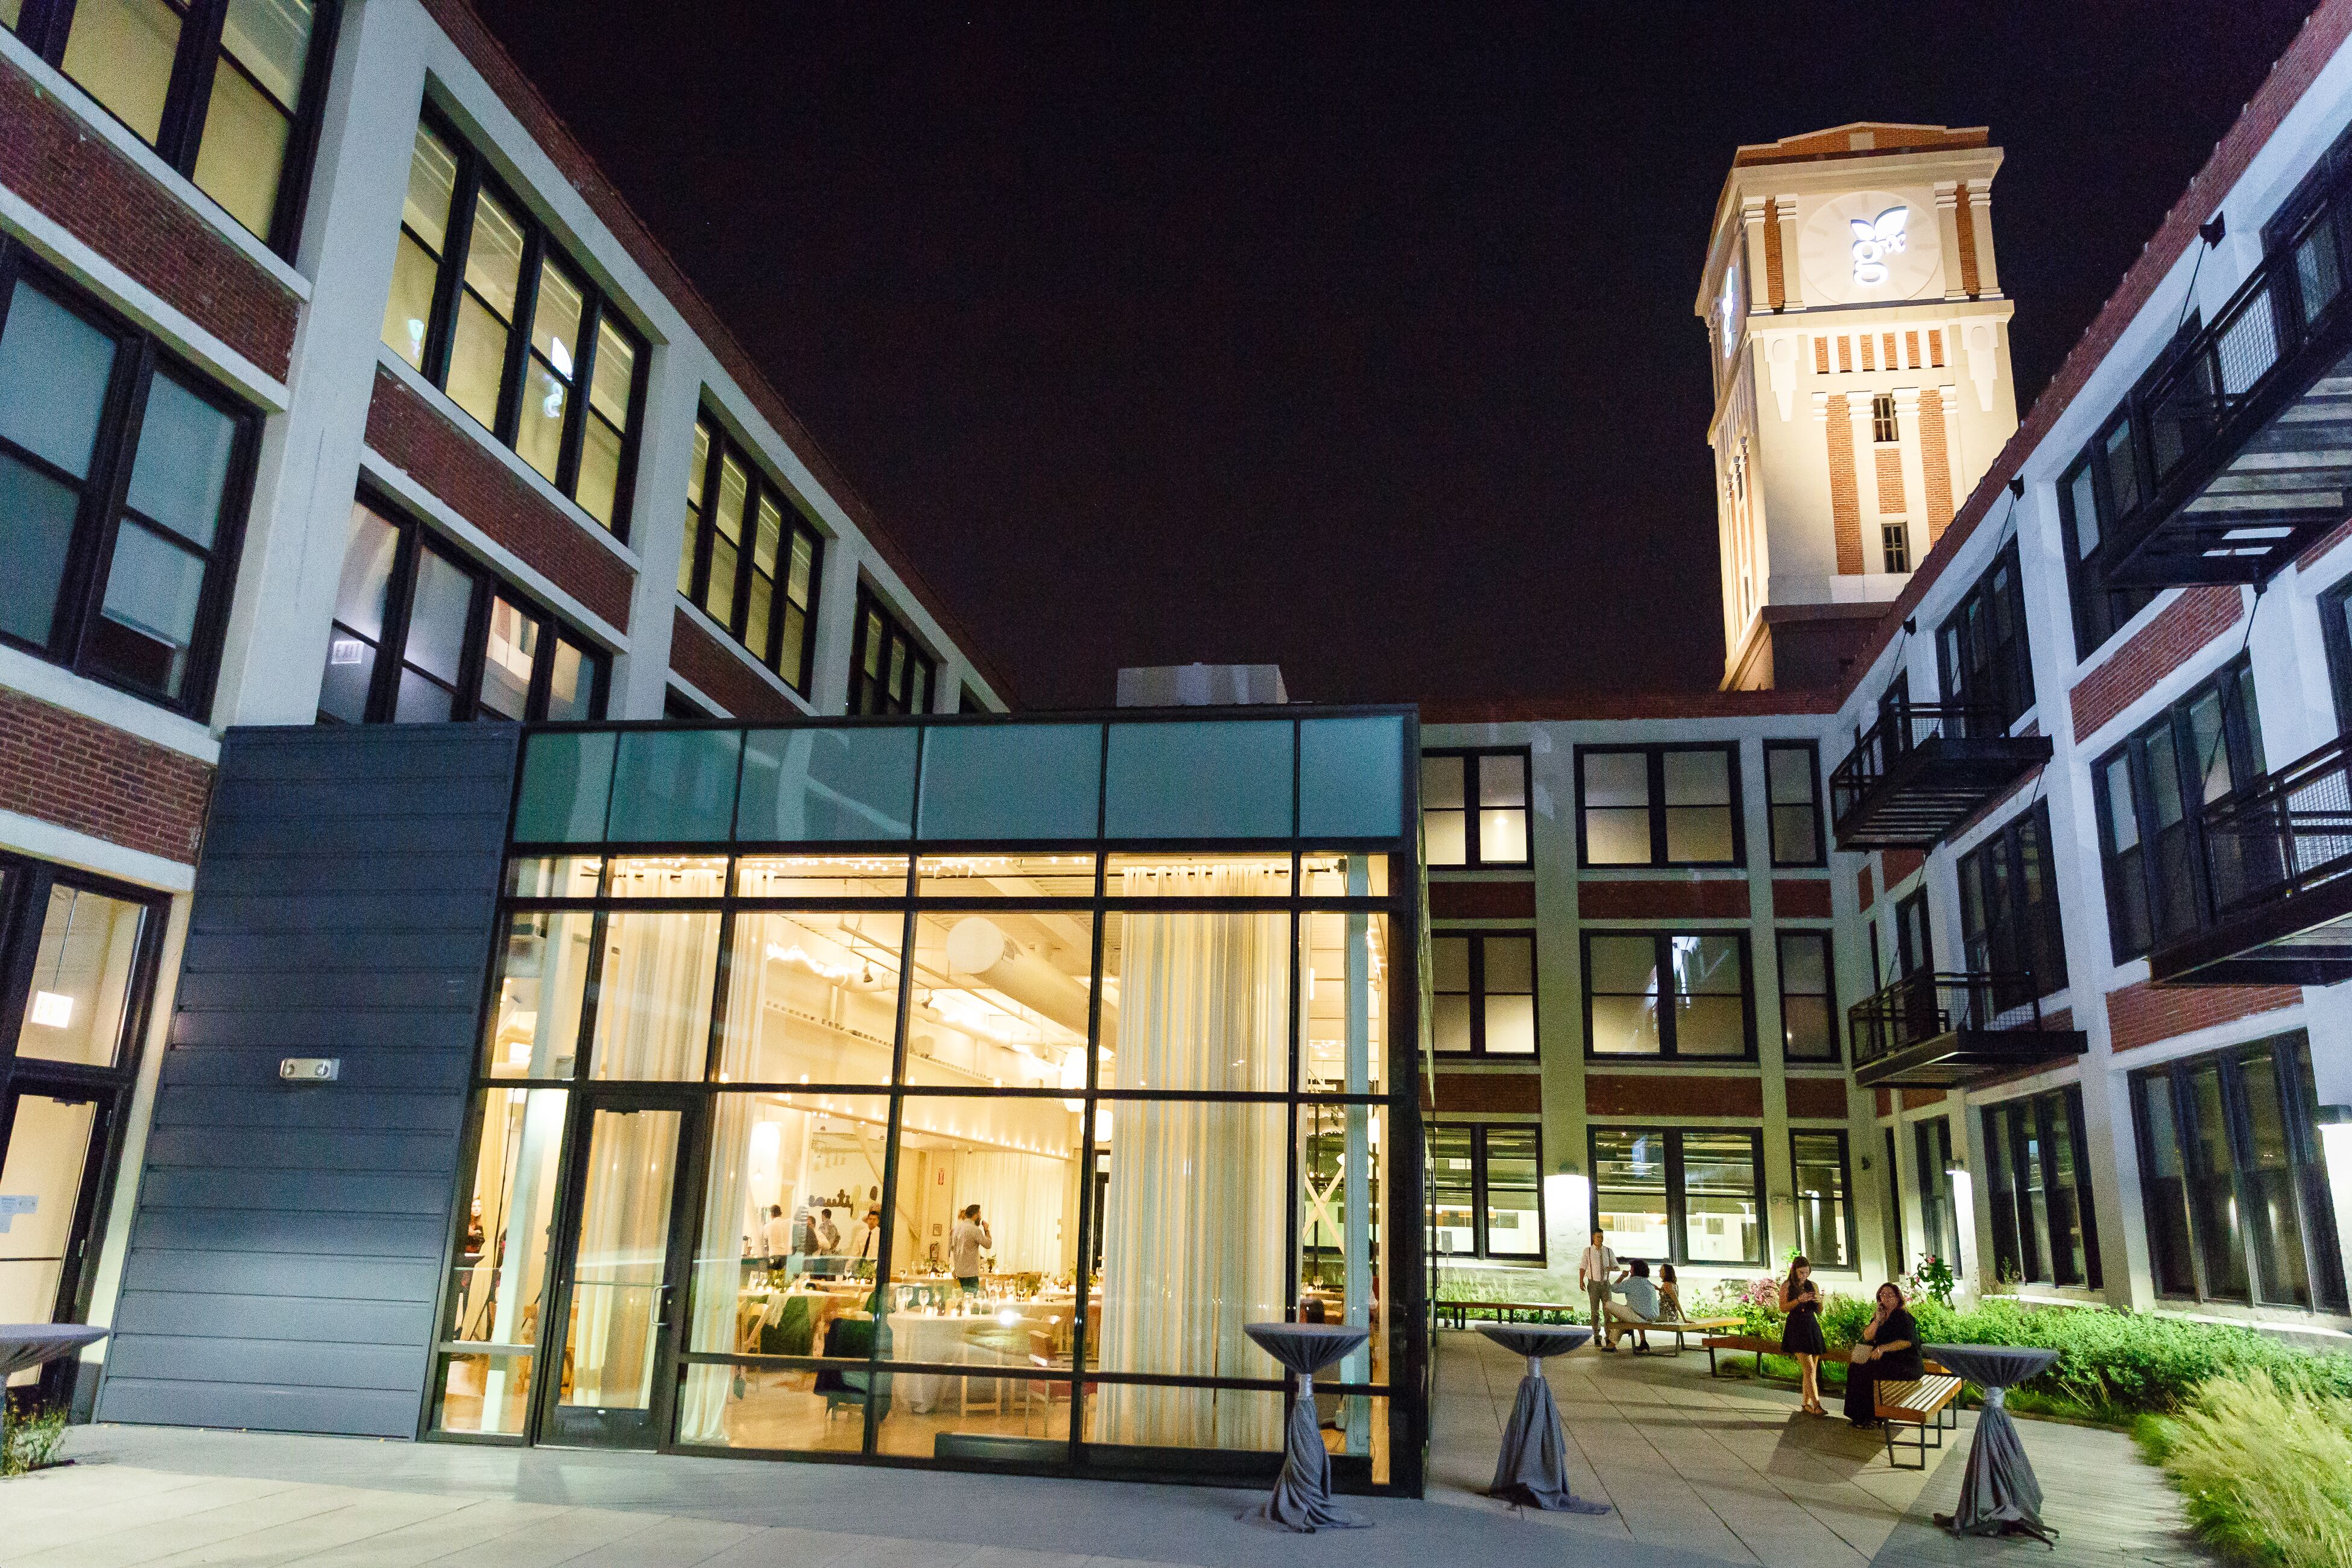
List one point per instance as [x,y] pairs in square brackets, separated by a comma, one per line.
[1301,1500]
[1999,1492]
[1532,1467]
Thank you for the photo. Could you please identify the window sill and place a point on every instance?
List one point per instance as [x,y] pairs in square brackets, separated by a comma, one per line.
[443,404]
[98,123]
[109,705]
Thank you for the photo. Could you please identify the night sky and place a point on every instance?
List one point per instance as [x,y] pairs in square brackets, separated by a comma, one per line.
[1351,340]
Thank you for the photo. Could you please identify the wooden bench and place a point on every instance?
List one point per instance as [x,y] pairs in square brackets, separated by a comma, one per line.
[1503,1311]
[1678,1327]
[1927,1403]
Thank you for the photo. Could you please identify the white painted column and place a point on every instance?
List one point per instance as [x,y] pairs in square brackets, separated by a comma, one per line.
[837,611]
[657,528]
[273,660]
[1947,233]
[1914,472]
[1751,249]
[1865,479]
[1793,289]
[1980,216]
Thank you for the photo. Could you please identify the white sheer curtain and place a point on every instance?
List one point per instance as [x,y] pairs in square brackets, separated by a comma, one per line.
[653,1010]
[624,1218]
[1194,1238]
[1020,1195]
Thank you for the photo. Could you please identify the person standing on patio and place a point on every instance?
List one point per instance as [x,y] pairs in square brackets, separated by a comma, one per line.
[1888,1352]
[1595,1272]
[1800,1335]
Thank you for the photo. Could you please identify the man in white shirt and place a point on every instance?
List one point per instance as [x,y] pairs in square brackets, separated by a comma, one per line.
[776,1236]
[969,1239]
[866,1243]
[1595,1273]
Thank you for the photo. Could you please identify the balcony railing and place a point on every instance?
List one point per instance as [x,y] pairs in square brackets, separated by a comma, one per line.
[1923,769]
[2239,443]
[2277,865]
[1935,1028]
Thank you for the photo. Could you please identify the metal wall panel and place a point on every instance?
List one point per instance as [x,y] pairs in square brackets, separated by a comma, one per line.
[282,1266]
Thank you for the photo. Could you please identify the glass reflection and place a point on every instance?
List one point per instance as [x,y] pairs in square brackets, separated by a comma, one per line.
[542,982]
[1342,979]
[653,993]
[501,1276]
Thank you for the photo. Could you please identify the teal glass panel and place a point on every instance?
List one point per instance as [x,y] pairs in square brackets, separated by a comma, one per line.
[565,778]
[1011,780]
[1351,777]
[810,787]
[675,786]
[1198,780]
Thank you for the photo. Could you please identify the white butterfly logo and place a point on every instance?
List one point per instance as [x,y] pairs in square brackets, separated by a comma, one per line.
[1874,241]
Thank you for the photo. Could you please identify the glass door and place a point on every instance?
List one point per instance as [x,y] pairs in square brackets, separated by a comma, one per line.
[54,1144]
[624,1273]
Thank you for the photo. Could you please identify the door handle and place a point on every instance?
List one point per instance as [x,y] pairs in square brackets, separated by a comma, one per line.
[661,1308]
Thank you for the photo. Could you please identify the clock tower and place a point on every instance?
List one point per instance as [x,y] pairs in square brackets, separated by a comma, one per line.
[1860,344]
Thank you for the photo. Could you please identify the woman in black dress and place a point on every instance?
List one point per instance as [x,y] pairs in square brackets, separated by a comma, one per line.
[1800,1336]
[1888,1352]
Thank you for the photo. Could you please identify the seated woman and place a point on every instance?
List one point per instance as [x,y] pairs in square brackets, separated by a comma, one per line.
[1888,1352]
[1670,1295]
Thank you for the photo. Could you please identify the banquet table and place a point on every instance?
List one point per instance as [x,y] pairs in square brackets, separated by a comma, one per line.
[1532,1468]
[1301,1500]
[1998,1492]
[24,1345]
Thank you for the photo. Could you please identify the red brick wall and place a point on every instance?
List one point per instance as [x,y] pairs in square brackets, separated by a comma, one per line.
[1488,1094]
[1935,463]
[721,674]
[93,778]
[453,464]
[1677,1094]
[2155,651]
[1795,899]
[1776,289]
[110,204]
[1817,1099]
[2142,1015]
[1711,901]
[1481,900]
[1845,493]
[1897,863]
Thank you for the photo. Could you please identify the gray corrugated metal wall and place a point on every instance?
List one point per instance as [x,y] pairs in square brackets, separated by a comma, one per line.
[283,1264]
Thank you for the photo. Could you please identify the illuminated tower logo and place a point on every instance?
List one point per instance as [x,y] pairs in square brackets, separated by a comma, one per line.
[1875,240]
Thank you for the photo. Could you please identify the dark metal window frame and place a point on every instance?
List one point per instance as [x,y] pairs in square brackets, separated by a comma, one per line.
[1474,854]
[1851,1238]
[2335,604]
[2028,936]
[598,310]
[870,695]
[45,25]
[1677,1200]
[2022,1251]
[1939,1216]
[1773,804]
[104,494]
[1477,940]
[2306,1164]
[1982,665]
[1781,935]
[1885,423]
[1662,959]
[400,600]
[25,885]
[702,537]
[2135,878]
[1658,753]
[1481,1188]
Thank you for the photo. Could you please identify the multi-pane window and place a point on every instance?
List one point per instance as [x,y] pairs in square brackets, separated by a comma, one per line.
[1895,546]
[1987,665]
[487,307]
[1474,808]
[2102,487]
[1938,1222]
[750,558]
[888,671]
[226,92]
[2233,1181]
[1885,429]
[2009,905]
[1792,773]
[1825,1225]
[124,477]
[422,635]
[2043,1226]
[2335,626]
[1483,994]
[1680,1196]
[1808,997]
[1658,805]
[1668,994]
[1486,1192]
[2152,792]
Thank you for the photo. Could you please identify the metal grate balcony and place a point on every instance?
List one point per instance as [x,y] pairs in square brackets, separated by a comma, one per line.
[1935,1030]
[1923,770]
[2244,443]
[2277,867]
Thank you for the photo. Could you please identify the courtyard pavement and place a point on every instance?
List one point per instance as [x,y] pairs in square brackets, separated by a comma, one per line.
[1697,1471]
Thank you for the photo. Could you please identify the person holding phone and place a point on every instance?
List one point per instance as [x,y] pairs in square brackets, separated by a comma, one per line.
[1801,1334]
[1888,1352]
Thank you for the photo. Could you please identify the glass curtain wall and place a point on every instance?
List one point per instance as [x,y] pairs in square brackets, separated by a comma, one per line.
[845,1131]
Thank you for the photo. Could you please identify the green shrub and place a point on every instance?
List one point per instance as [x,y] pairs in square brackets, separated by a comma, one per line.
[29,1436]
[2266,1466]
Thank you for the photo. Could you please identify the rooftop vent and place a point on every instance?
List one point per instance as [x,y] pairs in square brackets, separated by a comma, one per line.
[1201,686]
